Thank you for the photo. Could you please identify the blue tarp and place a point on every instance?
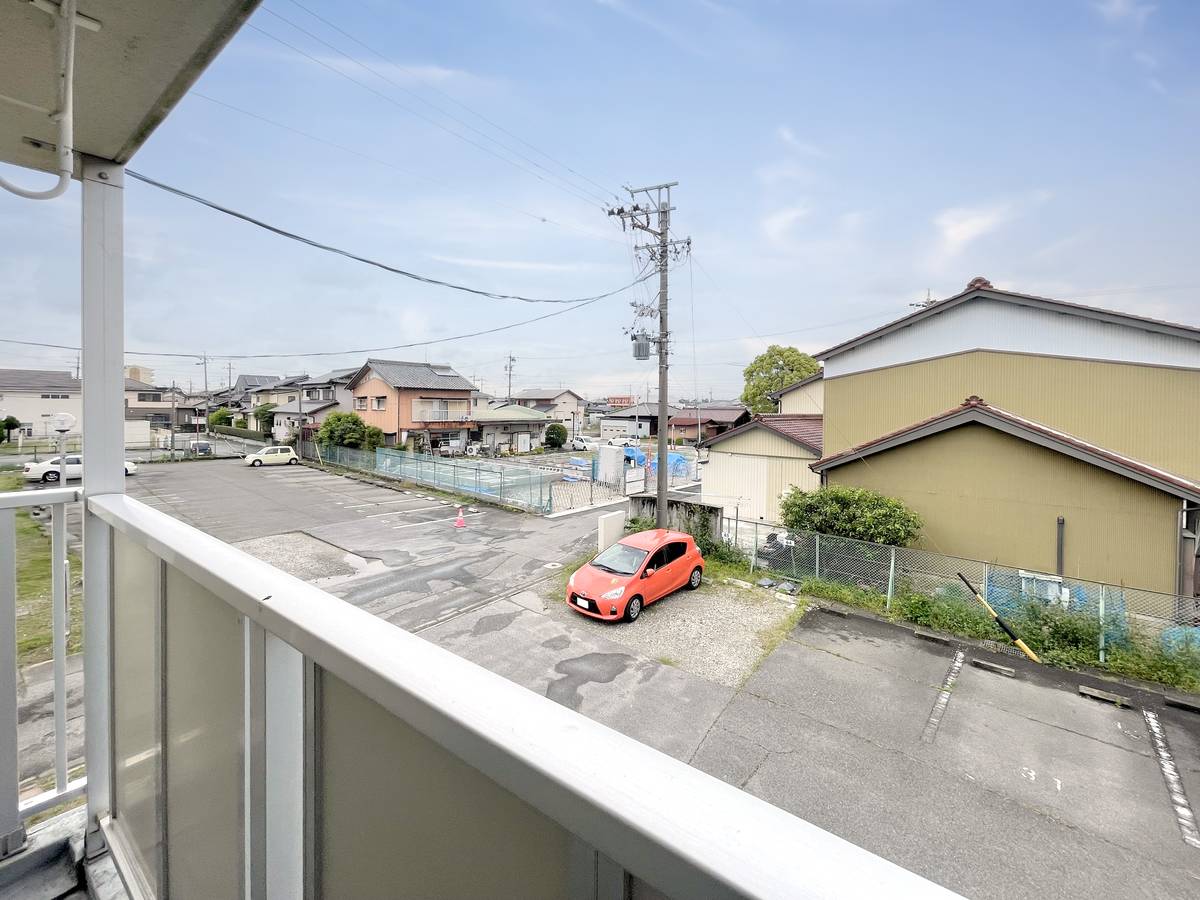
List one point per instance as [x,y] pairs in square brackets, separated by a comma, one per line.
[676,464]
[636,455]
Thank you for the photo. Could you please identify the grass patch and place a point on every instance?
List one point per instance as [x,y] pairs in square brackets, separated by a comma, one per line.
[769,639]
[1066,640]
[669,661]
[34,612]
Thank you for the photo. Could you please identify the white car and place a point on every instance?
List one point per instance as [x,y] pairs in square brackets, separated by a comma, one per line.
[50,471]
[580,443]
[624,442]
[272,456]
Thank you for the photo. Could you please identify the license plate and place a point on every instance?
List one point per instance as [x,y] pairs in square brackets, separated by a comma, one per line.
[582,602]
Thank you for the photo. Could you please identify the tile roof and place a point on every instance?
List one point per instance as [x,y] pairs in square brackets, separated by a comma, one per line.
[132,384]
[542,393]
[975,410]
[717,415]
[423,376]
[37,380]
[804,429]
[310,406]
[641,411]
[509,413]
[981,287]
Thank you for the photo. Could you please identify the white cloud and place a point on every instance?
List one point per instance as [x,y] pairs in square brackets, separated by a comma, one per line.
[779,172]
[959,226]
[778,224]
[1157,86]
[672,34]
[789,137]
[1145,59]
[1118,11]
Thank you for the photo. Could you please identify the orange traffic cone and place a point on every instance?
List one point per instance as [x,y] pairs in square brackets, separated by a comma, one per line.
[460,522]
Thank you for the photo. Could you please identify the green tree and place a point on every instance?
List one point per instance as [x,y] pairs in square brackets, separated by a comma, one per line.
[556,435]
[850,512]
[345,429]
[772,371]
[372,437]
[263,416]
[9,423]
[220,416]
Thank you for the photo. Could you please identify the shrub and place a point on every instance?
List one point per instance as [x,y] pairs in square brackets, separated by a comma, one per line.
[372,437]
[556,435]
[850,512]
[221,417]
[345,429]
[239,423]
[263,416]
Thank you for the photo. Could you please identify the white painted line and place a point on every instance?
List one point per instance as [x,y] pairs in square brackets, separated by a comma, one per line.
[1170,772]
[943,698]
[379,503]
[435,521]
[400,512]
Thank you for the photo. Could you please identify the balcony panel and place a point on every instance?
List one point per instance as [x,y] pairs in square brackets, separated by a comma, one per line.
[400,817]
[205,722]
[136,744]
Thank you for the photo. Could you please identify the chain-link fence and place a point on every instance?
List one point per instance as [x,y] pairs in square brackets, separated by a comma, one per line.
[1115,614]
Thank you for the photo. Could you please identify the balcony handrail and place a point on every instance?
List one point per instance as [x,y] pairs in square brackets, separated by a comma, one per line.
[48,497]
[659,818]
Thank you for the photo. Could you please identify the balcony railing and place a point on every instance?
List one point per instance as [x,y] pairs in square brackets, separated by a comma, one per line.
[271,740]
[424,411]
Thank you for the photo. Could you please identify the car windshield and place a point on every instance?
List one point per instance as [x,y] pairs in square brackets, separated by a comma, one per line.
[620,559]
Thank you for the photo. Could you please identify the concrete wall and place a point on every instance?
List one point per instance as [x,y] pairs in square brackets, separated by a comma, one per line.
[681,512]
[1149,413]
[31,409]
[747,474]
[807,400]
[987,495]
[610,527]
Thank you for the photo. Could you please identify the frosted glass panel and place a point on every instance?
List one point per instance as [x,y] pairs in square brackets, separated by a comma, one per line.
[401,817]
[136,750]
[205,722]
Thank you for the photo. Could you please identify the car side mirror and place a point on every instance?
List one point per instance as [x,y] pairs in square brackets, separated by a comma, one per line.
[648,573]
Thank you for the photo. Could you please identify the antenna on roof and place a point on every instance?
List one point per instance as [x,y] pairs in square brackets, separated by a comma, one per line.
[927,302]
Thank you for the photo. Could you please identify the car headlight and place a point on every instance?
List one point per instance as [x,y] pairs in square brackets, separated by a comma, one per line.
[571,581]
[614,594]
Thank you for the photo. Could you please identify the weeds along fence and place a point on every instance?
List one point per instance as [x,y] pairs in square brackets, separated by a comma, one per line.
[525,487]
[1116,616]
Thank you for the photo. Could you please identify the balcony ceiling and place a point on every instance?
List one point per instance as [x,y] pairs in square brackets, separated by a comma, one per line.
[128,75]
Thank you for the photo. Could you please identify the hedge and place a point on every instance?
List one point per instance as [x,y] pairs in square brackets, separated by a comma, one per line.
[242,432]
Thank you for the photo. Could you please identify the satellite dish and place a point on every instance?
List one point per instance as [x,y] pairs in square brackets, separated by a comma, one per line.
[62,422]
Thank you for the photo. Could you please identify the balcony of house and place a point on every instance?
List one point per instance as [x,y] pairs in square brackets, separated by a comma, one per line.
[426,410]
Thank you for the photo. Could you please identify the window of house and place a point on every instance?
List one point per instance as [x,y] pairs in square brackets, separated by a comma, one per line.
[291,398]
[149,398]
[327,393]
[56,396]
[360,402]
[313,394]
[378,402]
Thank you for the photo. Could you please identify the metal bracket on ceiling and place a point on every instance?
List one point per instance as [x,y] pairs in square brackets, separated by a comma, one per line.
[81,21]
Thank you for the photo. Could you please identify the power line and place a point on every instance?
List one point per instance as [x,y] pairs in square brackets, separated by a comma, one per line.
[605,192]
[578,195]
[390,165]
[425,279]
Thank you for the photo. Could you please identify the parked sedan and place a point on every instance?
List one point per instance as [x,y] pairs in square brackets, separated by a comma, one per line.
[580,443]
[634,572]
[272,456]
[624,442]
[50,470]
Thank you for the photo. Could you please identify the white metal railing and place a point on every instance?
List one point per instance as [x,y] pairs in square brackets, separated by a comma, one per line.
[610,812]
[453,411]
[13,810]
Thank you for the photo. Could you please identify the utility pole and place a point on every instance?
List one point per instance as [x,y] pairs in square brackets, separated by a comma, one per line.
[207,396]
[172,451]
[637,215]
[229,374]
[508,367]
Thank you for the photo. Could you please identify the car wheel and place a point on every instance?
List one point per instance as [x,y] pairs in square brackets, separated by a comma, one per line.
[49,477]
[126,473]
[633,609]
[695,579]
[256,463]
[293,461]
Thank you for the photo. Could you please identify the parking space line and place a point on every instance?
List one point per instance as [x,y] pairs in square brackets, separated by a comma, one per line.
[400,512]
[434,521]
[1170,773]
[943,698]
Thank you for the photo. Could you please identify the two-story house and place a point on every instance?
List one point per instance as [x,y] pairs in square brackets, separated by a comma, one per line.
[410,399]
[33,396]
[311,400]
[155,405]
[559,405]
[1028,431]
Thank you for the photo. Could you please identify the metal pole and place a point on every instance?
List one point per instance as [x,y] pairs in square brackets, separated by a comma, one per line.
[664,228]
[817,567]
[300,433]
[891,579]
[12,826]
[1103,652]
[172,426]
[58,639]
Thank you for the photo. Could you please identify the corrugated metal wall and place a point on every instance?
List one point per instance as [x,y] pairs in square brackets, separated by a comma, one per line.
[1149,413]
[987,495]
[808,400]
[748,473]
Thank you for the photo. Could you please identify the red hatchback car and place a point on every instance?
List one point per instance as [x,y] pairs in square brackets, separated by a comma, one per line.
[634,572]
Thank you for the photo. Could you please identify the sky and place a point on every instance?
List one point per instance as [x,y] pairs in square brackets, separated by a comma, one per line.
[836,160]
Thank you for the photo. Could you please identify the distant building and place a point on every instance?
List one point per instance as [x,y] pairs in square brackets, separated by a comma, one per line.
[33,396]
[707,422]
[634,421]
[144,374]
[402,398]
[621,401]
[559,405]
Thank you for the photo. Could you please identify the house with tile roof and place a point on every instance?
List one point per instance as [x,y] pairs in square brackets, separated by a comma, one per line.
[1082,456]
[749,468]
[560,404]
[707,422]
[413,399]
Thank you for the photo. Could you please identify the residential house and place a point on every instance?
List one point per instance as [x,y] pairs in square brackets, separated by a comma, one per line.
[750,467]
[413,399]
[272,390]
[480,400]
[707,422]
[804,398]
[639,421]
[560,405]
[155,405]
[33,396]
[511,427]
[333,386]
[1074,415]
[286,418]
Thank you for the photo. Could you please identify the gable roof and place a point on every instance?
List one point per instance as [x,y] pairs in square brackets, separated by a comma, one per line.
[981,288]
[132,384]
[333,376]
[544,394]
[246,382]
[310,406]
[717,415]
[804,430]
[511,412]
[37,380]
[974,410]
[424,376]
[803,382]
[641,411]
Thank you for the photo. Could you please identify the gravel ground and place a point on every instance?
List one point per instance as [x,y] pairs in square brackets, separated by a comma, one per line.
[715,632]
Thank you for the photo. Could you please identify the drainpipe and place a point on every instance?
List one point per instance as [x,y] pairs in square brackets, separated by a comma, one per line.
[1061,529]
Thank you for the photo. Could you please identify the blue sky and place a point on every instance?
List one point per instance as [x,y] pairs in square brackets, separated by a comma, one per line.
[835,159]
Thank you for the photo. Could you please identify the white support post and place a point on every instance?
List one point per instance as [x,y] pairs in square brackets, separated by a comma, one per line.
[12,827]
[58,639]
[891,579]
[102,302]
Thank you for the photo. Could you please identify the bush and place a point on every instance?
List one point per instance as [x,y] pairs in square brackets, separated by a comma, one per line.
[221,417]
[556,435]
[239,423]
[850,512]
[345,429]
[372,437]
[243,433]
[263,416]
